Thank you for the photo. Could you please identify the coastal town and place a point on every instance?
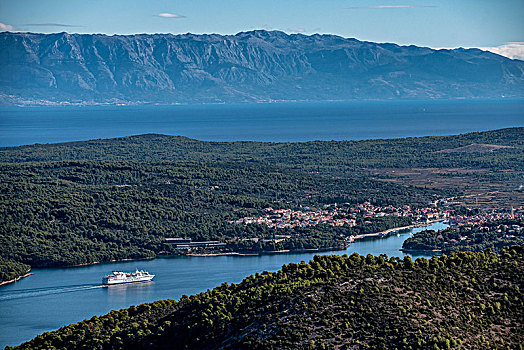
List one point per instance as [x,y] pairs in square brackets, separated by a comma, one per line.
[354,222]
[485,216]
[484,230]
[347,215]
[341,215]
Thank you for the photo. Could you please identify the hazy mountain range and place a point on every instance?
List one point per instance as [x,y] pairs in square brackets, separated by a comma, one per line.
[247,67]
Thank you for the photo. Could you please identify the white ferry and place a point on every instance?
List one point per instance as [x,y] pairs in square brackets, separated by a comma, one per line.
[119,277]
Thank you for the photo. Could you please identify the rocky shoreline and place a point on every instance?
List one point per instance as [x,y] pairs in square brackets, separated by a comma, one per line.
[16,279]
[387,232]
[268,252]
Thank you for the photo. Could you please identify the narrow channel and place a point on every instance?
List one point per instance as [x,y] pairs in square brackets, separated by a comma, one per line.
[51,298]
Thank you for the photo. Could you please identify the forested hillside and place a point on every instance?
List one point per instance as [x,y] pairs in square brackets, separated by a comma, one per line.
[103,200]
[328,157]
[466,300]
[81,212]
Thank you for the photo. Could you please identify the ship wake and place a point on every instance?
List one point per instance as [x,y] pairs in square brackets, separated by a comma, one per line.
[36,292]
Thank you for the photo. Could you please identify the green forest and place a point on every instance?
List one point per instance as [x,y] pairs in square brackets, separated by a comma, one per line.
[492,235]
[327,157]
[11,269]
[103,200]
[465,300]
[81,212]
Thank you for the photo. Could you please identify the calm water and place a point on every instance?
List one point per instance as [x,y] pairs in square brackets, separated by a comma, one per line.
[52,298]
[285,122]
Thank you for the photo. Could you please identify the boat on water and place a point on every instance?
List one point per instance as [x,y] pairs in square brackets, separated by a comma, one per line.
[119,277]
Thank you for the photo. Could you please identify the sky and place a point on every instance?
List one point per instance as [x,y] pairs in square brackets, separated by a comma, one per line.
[497,25]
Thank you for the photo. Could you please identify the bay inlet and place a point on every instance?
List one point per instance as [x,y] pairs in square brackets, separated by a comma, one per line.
[51,298]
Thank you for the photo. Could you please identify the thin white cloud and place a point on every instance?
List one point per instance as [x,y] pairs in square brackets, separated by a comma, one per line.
[6,27]
[298,30]
[169,15]
[513,50]
[389,7]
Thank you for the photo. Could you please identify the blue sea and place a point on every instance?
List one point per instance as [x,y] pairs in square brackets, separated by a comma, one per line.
[276,122]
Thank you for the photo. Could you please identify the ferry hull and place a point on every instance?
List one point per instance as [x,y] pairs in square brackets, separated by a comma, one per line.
[119,277]
[110,283]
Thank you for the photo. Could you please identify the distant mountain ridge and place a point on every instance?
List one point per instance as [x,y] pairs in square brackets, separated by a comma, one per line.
[254,66]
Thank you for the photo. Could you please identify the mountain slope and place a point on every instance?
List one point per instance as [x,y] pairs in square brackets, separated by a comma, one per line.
[247,67]
[467,300]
